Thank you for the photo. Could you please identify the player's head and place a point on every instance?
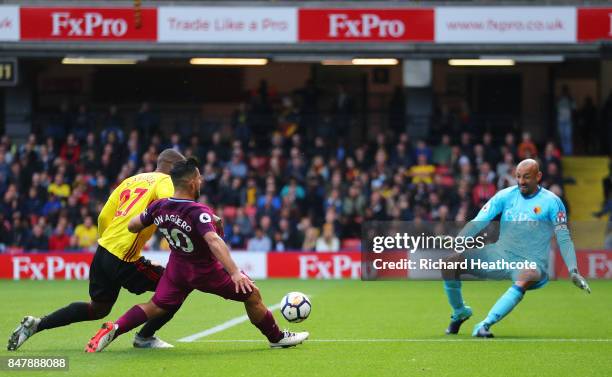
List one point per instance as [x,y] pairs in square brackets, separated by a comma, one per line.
[186,178]
[528,176]
[166,160]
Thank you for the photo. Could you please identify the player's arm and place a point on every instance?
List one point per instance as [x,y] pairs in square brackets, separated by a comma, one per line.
[487,213]
[108,213]
[558,216]
[145,219]
[221,252]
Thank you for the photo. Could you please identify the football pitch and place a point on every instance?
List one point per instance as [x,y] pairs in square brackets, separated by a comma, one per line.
[357,329]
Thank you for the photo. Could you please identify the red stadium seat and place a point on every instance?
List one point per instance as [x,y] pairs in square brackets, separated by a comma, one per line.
[351,244]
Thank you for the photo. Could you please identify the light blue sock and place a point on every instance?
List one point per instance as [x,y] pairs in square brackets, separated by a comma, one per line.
[453,292]
[504,305]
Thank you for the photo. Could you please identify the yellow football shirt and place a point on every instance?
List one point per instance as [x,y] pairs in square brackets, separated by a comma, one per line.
[87,236]
[130,199]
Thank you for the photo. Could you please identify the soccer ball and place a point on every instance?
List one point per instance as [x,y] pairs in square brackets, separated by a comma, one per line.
[295,307]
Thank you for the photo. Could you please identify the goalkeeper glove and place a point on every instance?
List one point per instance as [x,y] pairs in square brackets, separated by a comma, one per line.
[580,281]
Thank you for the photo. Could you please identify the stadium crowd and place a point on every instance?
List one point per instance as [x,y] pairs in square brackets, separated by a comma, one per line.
[279,190]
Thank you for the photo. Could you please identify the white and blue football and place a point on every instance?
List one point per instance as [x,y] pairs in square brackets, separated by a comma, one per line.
[295,307]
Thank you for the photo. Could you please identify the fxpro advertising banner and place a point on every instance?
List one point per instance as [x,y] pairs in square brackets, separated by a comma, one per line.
[505,25]
[93,24]
[227,25]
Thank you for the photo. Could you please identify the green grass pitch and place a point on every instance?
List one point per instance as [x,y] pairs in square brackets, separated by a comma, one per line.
[357,329]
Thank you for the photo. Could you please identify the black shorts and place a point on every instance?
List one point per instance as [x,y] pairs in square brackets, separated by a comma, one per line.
[107,274]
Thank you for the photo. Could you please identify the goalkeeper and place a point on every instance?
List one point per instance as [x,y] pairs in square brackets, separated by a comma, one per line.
[530,215]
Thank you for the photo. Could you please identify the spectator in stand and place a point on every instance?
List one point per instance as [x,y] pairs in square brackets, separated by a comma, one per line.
[527,149]
[510,143]
[235,237]
[506,165]
[483,191]
[328,241]
[59,188]
[566,108]
[442,152]
[422,171]
[71,151]
[113,125]
[59,241]
[236,165]
[552,176]
[147,122]
[261,242]
[83,123]
[86,234]
[310,239]
[74,244]
[37,241]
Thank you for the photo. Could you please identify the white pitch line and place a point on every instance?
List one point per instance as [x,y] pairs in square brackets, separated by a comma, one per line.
[400,340]
[224,326]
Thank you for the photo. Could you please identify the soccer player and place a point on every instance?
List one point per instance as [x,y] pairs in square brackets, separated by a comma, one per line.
[117,262]
[530,215]
[199,260]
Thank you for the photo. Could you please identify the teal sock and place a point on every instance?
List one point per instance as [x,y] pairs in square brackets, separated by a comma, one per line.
[504,305]
[453,292]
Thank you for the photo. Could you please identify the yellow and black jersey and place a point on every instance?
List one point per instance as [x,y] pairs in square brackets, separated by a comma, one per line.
[130,199]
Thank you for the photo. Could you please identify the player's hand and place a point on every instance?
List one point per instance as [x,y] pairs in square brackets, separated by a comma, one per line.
[219,226]
[242,283]
[580,281]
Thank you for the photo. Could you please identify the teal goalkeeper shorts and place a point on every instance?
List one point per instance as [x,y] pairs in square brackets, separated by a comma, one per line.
[491,254]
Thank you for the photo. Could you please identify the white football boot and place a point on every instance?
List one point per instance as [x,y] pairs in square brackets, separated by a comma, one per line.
[150,342]
[23,332]
[290,339]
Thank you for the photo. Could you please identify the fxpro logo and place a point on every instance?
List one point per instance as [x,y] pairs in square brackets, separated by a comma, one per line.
[51,268]
[367,26]
[333,267]
[89,25]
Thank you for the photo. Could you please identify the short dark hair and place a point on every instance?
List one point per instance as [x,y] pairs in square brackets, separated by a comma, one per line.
[182,171]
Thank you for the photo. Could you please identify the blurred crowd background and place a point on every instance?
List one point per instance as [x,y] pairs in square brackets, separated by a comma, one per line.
[280,182]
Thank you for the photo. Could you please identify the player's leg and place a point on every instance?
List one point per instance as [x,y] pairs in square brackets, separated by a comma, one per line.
[219,282]
[131,319]
[452,288]
[142,276]
[168,297]
[102,290]
[528,279]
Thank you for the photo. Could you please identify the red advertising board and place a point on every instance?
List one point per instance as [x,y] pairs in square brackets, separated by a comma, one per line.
[340,265]
[594,24]
[593,264]
[366,25]
[56,266]
[95,24]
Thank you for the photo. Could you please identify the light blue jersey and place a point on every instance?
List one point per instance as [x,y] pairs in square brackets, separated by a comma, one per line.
[527,225]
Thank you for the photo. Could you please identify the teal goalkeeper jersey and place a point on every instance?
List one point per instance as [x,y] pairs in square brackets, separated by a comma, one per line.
[527,225]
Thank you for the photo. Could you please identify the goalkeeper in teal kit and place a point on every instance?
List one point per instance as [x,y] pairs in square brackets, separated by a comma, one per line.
[530,216]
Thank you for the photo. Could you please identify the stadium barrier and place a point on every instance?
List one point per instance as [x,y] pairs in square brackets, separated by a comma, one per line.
[594,264]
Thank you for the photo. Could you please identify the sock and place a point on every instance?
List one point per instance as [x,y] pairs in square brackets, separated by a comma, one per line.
[75,312]
[130,320]
[269,328]
[504,305]
[453,293]
[154,324]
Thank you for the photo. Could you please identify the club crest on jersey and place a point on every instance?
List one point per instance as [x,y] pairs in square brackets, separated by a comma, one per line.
[537,210]
[561,217]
